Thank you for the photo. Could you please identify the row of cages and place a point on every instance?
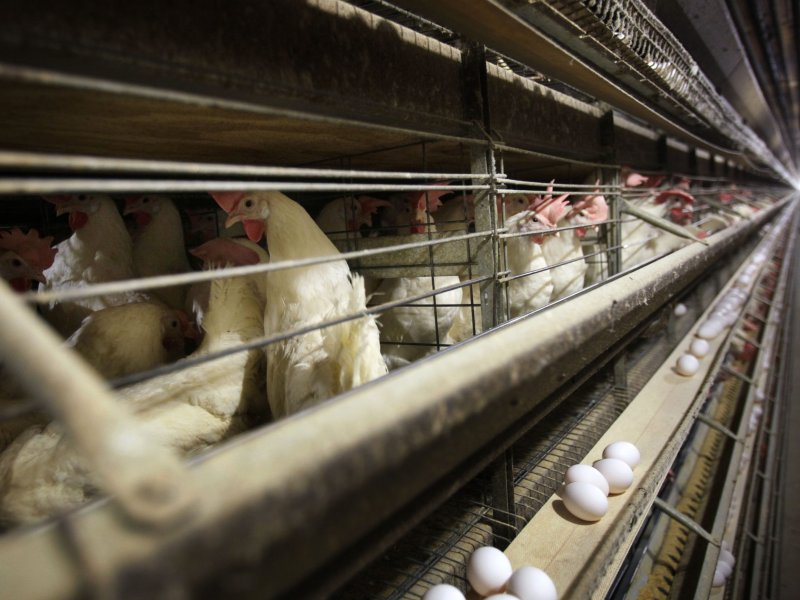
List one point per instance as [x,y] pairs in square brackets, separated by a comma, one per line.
[174,291]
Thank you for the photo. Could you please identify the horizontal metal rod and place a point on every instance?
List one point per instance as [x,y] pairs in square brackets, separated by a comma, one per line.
[681,518]
[161,281]
[98,164]
[41,185]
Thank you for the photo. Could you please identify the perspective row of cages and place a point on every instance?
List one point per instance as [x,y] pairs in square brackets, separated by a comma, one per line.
[503,506]
[652,212]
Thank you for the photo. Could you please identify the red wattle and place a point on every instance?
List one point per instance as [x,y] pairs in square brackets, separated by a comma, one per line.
[142,218]
[77,220]
[254,230]
[20,284]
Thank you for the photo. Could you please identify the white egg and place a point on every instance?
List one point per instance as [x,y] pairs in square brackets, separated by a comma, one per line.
[710,329]
[618,474]
[745,280]
[727,556]
[587,474]
[719,579]
[443,591]
[687,365]
[502,597]
[680,310]
[724,568]
[624,451]
[699,348]
[760,395]
[585,501]
[530,583]
[488,570]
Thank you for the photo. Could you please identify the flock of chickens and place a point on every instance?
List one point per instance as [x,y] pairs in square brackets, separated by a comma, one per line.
[339,346]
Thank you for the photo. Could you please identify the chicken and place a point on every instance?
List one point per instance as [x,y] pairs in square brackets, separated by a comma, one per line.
[458,215]
[237,252]
[642,241]
[309,368]
[100,250]
[569,278]
[133,337]
[188,410]
[531,284]
[24,258]
[203,404]
[158,245]
[343,218]
[410,332]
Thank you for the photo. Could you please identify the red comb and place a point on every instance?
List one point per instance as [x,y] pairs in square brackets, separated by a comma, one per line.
[34,250]
[227,200]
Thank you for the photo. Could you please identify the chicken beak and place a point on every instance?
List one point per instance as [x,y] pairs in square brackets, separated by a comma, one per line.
[233,218]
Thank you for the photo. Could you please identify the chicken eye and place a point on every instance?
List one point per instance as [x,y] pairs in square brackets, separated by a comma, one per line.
[535,219]
[16,262]
[173,323]
[248,203]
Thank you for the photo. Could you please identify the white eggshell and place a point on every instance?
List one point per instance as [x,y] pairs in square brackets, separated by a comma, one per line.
[488,570]
[502,597]
[724,568]
[587,474]
[624,451]
[710,329]
[745,280]
[760,395]
[719,579]
[585,501]
[699,348]
[727,556]
[443,591]
[530,583]
[680,310]
[618,474]
[687,365]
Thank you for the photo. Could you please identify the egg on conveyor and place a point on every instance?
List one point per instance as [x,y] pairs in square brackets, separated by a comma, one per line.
[680,310]
[617,472]
[710,329]
[530,583]
[727,556]
[488,570]
[587,474]
[719,579]
[624,451]
[585,501]
[443,591]
[699,348]
[687,365]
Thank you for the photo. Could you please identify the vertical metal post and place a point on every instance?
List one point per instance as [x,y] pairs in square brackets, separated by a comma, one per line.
[504,517]
[611,177]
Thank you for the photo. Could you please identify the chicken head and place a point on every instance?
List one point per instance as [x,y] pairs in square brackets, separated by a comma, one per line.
[25,257]
[250,208]
[79,208]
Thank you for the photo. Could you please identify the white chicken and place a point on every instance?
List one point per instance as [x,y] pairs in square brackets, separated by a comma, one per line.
[24,258]
[188,410]
[342,218]
[642,241]
[569,278]
[219,252]
[100,250]
[410,332]
[158,245]
[306,369]
[133,337]
[531,283]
